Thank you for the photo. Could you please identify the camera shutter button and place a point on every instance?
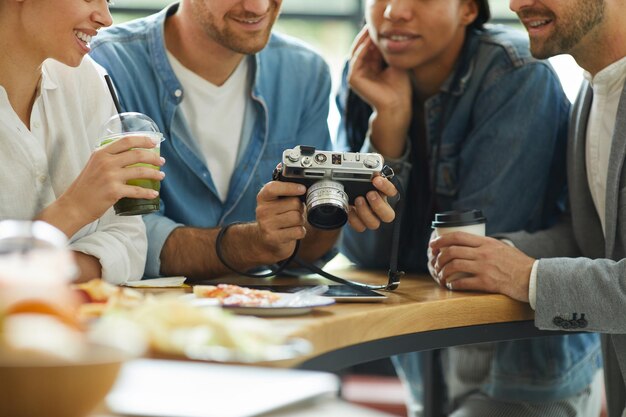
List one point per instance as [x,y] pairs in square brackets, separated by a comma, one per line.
[371,162]
[306,161]
[293,156]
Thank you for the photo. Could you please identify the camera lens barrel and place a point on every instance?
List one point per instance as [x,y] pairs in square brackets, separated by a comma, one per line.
[327,205]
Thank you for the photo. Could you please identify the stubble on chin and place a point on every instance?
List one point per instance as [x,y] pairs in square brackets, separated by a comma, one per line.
[248,44]
[570,30]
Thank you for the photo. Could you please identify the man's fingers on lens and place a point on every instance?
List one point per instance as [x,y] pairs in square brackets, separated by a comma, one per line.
[369,219]
[355,222]
[381,208]
[385,186]
[277,189]
[275,207]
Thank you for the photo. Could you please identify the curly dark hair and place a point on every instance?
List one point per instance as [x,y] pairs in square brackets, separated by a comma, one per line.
[484,14]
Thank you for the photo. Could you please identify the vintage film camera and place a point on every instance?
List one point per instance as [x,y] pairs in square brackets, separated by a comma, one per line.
[333,180]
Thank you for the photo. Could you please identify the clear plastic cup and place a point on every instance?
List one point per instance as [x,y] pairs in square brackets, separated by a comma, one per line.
[134,124]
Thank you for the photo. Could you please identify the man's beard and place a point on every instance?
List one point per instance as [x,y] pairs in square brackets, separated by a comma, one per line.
[236,40]
[580,19]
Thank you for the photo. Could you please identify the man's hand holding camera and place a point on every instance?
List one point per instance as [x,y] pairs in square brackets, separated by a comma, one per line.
[369,211]
[280,220]
[314,193]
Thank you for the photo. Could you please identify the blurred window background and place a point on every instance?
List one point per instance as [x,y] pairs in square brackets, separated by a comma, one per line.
[331,25]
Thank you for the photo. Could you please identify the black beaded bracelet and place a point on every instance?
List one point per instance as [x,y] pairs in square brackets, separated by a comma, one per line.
[273,271]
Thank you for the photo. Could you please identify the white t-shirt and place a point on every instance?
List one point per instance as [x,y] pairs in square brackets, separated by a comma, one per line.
[607,88]
[38,165]
[215,117]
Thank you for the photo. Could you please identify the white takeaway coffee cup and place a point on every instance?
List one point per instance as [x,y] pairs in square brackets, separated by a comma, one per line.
[468,221]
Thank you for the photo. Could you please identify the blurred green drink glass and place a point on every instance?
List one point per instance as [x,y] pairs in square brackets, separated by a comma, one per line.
[134,124]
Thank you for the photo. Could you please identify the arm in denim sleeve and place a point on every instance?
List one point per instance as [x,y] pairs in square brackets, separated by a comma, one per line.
[511,164]
[368,249]
[313,125]
[158,228]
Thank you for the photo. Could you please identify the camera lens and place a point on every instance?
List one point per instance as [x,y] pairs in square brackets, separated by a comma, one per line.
[327,205]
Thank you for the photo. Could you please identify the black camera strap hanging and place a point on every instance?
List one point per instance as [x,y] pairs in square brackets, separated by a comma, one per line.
[394,275]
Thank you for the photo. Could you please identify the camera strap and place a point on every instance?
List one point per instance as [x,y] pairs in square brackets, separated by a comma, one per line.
[393,274]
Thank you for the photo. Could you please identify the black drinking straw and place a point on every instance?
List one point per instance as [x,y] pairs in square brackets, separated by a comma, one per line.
[116,102]
[113,95]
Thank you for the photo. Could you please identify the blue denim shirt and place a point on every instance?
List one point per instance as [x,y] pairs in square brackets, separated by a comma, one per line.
[288,107]
[501,119]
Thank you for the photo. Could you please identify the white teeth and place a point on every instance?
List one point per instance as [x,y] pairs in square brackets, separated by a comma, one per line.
[398,38]
[249,21]
[83,36]
[538,23]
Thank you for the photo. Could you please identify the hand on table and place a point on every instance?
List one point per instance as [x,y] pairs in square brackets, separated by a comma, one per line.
[494,266]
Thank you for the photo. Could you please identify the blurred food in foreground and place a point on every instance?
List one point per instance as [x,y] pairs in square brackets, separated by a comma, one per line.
[173,326]
[234,295]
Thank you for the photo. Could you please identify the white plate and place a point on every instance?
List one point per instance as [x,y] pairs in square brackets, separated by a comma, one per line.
[165,282]
[303,307]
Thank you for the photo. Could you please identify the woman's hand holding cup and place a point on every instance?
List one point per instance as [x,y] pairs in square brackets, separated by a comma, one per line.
[104,179]
[103,182]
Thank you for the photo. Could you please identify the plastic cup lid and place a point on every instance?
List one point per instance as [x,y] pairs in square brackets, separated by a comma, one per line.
[129,122]
[458,218]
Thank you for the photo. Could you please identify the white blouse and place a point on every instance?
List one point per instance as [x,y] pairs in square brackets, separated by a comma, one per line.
[38,165]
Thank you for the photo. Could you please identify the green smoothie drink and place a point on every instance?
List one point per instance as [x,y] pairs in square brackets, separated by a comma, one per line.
[135,124]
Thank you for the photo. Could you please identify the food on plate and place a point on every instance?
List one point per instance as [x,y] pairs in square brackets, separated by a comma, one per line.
[99,291]
[173,326]
[234,295]
[99,296]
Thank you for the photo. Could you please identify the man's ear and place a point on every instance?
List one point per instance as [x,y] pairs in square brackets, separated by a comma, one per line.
[469,11]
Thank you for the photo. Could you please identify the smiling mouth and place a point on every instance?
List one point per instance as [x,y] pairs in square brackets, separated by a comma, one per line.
[399,38]
[249,20]
[538,23]
[83,37]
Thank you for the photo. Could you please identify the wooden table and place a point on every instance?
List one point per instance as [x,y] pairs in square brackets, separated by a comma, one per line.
[419,315]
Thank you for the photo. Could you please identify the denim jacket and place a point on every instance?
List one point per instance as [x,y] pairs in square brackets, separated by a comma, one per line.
[501,121]
[288,107]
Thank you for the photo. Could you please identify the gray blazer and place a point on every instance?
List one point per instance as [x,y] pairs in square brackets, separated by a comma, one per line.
[581,272]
